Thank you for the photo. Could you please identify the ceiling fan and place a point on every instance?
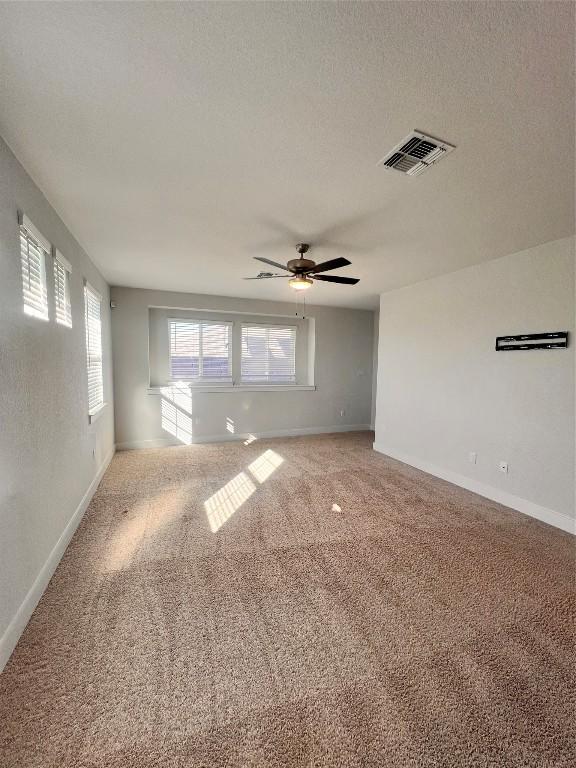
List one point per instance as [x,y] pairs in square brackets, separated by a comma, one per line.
[302,271]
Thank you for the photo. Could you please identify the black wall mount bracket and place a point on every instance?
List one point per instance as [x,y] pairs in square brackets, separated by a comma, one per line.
[555,340]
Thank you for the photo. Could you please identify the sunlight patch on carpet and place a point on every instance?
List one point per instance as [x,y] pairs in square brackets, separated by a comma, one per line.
[264,465]
[221,506]
[140,523]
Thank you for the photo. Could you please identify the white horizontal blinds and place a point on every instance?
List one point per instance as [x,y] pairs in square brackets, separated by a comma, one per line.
[33,250]
[93,319]
[268,354]
[62,290]
[200,350]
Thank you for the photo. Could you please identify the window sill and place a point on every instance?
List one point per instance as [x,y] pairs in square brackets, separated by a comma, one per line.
[235,388]
[96,413]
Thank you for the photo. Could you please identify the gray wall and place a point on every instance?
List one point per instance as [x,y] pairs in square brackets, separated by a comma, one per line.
[343,374]
[443,391]
[49,454]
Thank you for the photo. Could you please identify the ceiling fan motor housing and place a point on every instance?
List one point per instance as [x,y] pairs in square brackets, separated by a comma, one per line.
[301,265]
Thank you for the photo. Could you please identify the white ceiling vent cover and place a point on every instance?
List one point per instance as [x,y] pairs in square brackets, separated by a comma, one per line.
[416,153]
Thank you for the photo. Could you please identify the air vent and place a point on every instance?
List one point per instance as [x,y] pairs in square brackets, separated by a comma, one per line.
[416,153]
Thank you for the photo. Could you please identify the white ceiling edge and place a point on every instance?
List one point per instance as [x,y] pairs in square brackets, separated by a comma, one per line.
[571,236]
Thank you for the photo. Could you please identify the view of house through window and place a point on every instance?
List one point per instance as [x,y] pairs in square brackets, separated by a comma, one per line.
[268,354]
[200,350]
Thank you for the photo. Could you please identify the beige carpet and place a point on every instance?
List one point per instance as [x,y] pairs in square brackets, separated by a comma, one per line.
[216,609]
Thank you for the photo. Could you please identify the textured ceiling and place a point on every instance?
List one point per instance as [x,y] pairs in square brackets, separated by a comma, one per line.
[178,140]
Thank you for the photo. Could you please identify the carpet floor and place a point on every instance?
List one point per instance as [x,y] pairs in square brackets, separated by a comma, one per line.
[296,602]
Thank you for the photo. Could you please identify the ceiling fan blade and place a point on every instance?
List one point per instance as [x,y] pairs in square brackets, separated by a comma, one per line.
[265,277]
[336,279]
[273,263]
[332,264]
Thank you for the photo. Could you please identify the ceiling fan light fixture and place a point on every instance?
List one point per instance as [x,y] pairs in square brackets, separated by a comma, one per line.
[300,283]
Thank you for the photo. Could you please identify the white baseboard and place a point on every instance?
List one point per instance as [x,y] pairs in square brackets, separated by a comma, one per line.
[227,437]
[550,516]
[10,638]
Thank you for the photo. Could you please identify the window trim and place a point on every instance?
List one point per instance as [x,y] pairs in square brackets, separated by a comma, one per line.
[159,349]
[30,227]
[97,412]
[231,387]
[267,383]
[93,411]
[32,234]
[200,381]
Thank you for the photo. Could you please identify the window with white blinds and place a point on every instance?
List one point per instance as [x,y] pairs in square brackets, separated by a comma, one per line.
[200,350]
[33,250]
[62,302]
[93,320]
[268,354]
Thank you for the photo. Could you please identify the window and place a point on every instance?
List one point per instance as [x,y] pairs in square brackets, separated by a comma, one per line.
[217,350]
[93,320]
[268,354]
[33,250]
[62,271]
[200,350]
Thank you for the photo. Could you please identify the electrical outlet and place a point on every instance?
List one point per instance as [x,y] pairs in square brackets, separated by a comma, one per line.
[503,467]
[472,457]
[342,412]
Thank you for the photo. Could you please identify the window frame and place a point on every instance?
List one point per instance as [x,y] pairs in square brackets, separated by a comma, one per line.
[63,315]
[200,380]
[293,380]
[159,317]
[33,236]
[93,408]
